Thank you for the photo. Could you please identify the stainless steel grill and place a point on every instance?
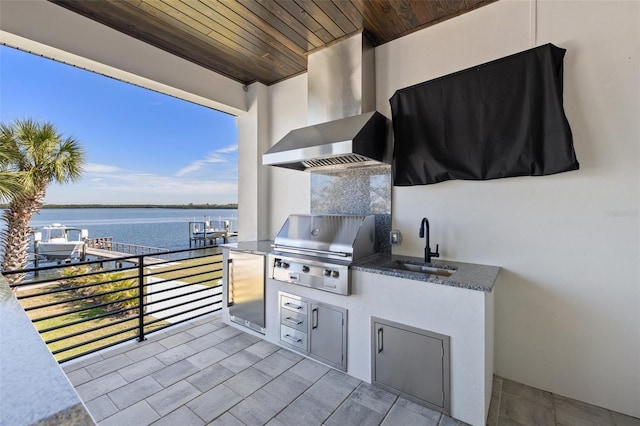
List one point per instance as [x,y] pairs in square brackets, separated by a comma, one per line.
[317,250]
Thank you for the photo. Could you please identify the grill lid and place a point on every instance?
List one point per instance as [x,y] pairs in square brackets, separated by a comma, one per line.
[343,237]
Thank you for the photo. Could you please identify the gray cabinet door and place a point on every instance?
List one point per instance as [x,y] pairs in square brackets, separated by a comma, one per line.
[411,361]
[328,334]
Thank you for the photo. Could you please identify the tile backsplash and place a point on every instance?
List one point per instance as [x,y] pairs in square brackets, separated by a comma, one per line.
[360,191]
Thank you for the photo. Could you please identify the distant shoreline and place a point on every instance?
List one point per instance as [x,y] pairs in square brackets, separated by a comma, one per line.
[139,206]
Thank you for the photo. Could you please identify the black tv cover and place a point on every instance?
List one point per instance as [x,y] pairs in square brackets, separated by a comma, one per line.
[499,119]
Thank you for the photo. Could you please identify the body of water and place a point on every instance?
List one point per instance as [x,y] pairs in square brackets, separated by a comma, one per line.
[153,227]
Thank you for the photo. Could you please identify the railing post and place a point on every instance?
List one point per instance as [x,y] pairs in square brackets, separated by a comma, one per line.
[141,298]
[36,246]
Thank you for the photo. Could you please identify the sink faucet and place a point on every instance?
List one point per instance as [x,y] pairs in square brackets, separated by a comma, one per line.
[428,254]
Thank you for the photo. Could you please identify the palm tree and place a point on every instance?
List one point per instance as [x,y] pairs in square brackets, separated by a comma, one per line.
[42,156]
[9,180]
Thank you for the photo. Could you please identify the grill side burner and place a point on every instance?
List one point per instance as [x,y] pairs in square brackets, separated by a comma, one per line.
[317,250]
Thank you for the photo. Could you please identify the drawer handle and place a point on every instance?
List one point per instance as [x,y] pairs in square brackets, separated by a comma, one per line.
[293,321]
[293,339]
[291,305]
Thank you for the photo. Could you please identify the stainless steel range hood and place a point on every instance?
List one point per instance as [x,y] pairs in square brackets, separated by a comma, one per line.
[341,143]
[344,128]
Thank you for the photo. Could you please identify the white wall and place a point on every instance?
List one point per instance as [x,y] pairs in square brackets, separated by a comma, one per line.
[288,189]
[568,302]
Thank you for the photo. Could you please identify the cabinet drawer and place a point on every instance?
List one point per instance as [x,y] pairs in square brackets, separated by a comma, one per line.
[293,319]
[294,305]
[293,337]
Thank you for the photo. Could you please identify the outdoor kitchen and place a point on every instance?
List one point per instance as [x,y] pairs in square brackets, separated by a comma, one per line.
[330,287]
[410,268]
[334,311]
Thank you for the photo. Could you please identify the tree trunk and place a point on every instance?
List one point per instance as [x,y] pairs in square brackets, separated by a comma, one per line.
[16,237]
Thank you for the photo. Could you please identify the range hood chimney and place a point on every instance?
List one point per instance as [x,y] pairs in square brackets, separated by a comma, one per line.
[344,128]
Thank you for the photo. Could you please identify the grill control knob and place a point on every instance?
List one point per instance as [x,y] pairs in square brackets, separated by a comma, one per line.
[278,263]
[335,274]
[305,268]
[327,273]
[285,265]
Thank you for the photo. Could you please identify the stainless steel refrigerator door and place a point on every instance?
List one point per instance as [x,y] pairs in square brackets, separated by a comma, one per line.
[246,289]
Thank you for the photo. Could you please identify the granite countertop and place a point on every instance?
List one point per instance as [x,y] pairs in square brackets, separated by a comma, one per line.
[35,390]
[262,247]
[467,275]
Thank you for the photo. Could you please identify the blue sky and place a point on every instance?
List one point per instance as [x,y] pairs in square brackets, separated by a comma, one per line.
[141,147]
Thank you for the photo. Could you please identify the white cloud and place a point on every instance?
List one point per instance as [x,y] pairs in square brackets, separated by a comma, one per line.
[165,185]
[214,158]
[211,158]
[111,184]
[100,168]
[134,181]
[145,190]
[228,149]
[194,166]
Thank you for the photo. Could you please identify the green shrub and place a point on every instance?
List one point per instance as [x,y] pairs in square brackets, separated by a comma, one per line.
[112,281]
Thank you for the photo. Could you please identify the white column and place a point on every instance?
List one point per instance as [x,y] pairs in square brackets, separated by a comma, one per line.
[253,178]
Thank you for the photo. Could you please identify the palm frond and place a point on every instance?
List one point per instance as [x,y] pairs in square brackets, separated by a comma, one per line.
[10,183]
[40,153]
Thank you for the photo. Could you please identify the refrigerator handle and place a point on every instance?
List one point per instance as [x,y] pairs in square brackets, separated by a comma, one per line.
[229,283]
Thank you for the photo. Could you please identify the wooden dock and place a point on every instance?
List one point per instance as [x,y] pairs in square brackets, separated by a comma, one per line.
[106,248]
[110,254]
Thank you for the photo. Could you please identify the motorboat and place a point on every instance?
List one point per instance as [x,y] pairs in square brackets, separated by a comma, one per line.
[59,242]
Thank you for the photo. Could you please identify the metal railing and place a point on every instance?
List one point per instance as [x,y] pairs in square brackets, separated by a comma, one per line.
[85,307]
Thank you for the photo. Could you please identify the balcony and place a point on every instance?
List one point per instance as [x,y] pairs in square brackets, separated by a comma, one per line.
[185,366]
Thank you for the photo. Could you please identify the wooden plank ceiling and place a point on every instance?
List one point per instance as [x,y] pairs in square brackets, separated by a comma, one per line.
[263,40]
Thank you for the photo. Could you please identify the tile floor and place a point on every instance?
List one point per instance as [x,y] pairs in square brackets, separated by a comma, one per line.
[208,373]
[513,403]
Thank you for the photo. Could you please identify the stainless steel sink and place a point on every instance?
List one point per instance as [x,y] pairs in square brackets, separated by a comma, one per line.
[421,268]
